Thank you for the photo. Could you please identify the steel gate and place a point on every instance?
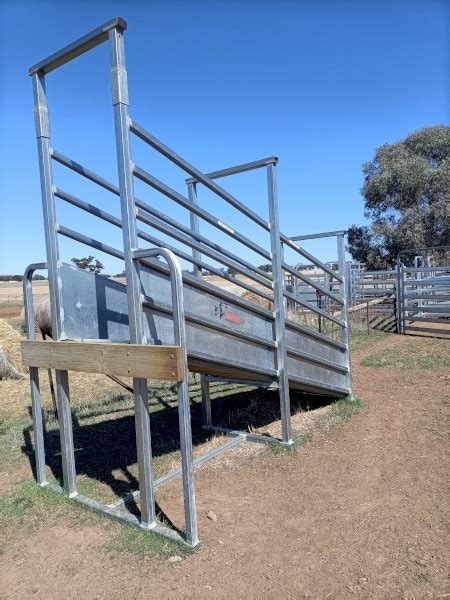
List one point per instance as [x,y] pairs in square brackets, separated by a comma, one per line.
[423,303]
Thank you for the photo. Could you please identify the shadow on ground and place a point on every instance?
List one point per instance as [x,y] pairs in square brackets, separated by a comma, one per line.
[108,445]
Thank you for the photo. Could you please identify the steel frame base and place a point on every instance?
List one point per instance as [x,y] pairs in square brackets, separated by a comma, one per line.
[249,436]
[200,460]
[115,513]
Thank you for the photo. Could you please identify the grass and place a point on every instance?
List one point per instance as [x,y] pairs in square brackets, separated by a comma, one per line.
[360,340]
[340,412]
[28,506]
[132,540]
[424,354]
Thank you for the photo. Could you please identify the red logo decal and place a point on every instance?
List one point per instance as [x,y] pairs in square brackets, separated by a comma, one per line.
[233,318]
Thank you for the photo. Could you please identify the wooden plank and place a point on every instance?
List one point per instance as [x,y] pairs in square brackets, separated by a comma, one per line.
[130,360]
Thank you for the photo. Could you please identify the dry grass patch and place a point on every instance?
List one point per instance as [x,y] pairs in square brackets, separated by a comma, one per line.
[424,353]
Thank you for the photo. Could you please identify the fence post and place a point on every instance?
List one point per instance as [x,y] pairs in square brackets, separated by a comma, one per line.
[398,296]
[278,301]
[344,311]
[367,318]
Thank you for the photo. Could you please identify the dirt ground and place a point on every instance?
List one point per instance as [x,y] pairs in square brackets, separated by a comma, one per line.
[358,513]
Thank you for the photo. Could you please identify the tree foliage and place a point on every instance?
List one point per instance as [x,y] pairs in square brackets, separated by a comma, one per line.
[406,194]
[89,263]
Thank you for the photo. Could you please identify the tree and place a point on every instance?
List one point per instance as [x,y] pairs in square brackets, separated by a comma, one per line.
[88,263]
[406,197]
[267,268]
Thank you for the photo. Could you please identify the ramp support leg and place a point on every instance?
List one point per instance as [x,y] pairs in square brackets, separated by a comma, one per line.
[184,407]
[206,401]
[130,242]
[278,300]
[51,240]
[36,406]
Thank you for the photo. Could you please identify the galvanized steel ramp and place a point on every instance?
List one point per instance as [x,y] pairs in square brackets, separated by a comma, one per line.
[218,333]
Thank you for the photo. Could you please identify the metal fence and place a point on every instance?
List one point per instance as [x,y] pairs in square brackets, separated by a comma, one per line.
[222,335]
[365,285]
[423,304]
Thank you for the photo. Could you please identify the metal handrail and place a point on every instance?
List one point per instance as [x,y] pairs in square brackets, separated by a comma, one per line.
[80,46]
[184,409]
[36,406]
[243,168]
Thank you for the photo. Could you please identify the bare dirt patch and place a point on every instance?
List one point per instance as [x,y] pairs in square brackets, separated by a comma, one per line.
[357,513]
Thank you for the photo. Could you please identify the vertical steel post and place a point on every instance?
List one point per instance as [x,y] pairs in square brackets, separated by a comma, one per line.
[130,243]
[51,241]
[195,224]
[195,228]
[36,406]
[206,401]
[278,301]
[184,407]
[344,308]
[398,296]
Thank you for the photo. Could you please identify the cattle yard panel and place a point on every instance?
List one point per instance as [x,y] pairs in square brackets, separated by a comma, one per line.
[218,333]
[424,292]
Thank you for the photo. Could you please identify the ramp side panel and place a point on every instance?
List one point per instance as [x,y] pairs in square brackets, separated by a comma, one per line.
[96,308]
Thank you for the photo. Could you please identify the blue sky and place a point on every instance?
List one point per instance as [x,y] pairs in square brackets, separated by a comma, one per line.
[318,84]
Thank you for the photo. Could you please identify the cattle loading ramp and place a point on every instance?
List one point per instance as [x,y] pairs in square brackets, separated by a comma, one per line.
[163,322]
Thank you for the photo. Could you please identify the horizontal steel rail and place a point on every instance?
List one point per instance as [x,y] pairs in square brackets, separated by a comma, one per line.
[434,282]
[361,282]
[200,238]
[197,462]
[88,174]
[84,171]
[309,306]
[80,46]
[203,214]
[195,281]
[191,170]
[172,194]
[425,269]
[120,515]
[91,209]
[243,168]
[84,239]
[203,248]
[313,236]
[311,282]
[161,244]
[433,319]
[437,332]
[427,295]
[254,437]
[439,321]
[64,160]
[392,272]
[310,257]
[434,308]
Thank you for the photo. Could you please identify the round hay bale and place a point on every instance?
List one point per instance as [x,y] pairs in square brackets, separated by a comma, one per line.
[11,365]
